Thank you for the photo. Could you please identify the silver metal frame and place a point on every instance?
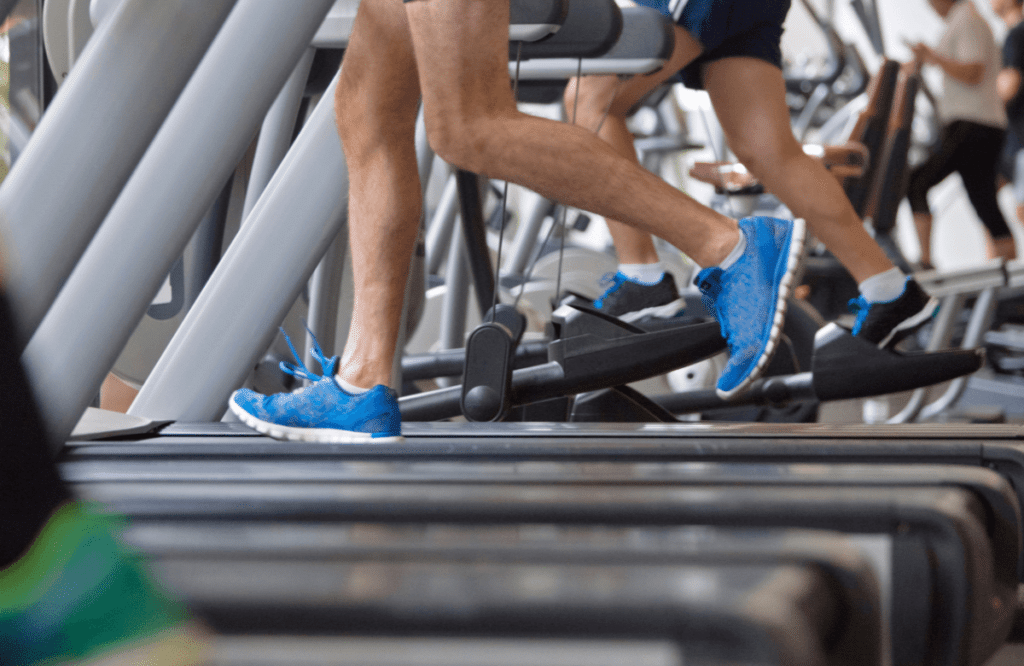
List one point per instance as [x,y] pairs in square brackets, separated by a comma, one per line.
[91,138]
[953,287]
[191,157]
[257,280]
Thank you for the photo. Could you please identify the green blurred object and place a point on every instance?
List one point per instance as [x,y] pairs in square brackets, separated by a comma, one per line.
[78,592]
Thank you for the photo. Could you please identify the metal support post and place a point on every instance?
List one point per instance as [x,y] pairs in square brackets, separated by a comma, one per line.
[91,138]
[981,320]
[442,224]
[527,235]
[475,232]
[276,132]
[324,295]
[456,296]
[424,152]
[175,183]
[257,280]
[204,250]
[942,333]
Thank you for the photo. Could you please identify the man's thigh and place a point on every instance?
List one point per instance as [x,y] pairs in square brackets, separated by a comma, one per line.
[462,56]
[749,98]
[378,74]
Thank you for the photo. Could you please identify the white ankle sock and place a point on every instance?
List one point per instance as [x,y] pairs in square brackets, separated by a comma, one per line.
[886,286]
[643,273]
[349,388]
[736,253]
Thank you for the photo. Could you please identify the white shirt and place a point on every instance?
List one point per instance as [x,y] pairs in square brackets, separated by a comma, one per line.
[968,39]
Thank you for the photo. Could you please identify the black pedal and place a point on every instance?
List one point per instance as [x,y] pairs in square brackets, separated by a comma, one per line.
[620,404]
[490,352]
[846,367]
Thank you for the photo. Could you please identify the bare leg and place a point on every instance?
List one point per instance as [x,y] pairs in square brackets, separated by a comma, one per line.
[1004,248]
[472,120]
[376,104]
[603,104]
[749,99]
[923,225]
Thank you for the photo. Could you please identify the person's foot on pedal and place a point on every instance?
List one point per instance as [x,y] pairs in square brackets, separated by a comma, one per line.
[749,297]
[885,323]
[323,411]
[630,300]
[79,595]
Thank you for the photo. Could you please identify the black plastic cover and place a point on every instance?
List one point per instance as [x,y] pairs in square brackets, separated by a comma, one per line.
[542,12]
[591,29]
[846,367]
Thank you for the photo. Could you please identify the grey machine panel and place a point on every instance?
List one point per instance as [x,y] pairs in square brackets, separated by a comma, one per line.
[538,558]
[942,557]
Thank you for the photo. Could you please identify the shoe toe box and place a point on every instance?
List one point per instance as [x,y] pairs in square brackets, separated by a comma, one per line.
[248,400]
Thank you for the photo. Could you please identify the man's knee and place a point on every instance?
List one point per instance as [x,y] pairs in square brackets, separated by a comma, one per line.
[366,113]
[467,141]
[764,158]
[591,99]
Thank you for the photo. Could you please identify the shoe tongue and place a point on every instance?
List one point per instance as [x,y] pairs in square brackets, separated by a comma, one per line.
[331,366]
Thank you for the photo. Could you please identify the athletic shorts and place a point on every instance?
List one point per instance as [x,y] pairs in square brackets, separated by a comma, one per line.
[729,29]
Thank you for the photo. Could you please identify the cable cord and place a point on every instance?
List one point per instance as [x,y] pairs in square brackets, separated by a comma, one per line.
[718,158]
[565,210]
[504,198]
[554,223]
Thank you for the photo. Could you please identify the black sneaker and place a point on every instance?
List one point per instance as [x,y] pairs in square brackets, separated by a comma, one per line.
[631,301]
[886,323]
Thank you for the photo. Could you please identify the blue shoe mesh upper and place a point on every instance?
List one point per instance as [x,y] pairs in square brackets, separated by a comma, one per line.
[744,297]
[327,405]
[324,404]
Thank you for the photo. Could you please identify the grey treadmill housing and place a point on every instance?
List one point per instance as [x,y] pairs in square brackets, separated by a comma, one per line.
[942,557]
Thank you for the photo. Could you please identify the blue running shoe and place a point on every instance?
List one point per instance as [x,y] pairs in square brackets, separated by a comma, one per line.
[323,411]
[749,298]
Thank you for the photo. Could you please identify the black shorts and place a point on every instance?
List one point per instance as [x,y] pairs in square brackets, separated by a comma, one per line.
[729,29]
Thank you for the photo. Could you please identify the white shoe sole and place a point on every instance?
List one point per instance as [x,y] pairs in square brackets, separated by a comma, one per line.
[322,435]
[666,311]
[796,255]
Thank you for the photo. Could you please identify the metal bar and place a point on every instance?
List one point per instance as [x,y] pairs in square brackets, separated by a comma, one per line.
[203,251]
[942,333]
[442,224]
[324,296]
[424,152]
[257,280]
[475,232]
[456,296]
[535,212]
[190,159]
[91,138]
[981,321]
[806,117]
[276,132]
